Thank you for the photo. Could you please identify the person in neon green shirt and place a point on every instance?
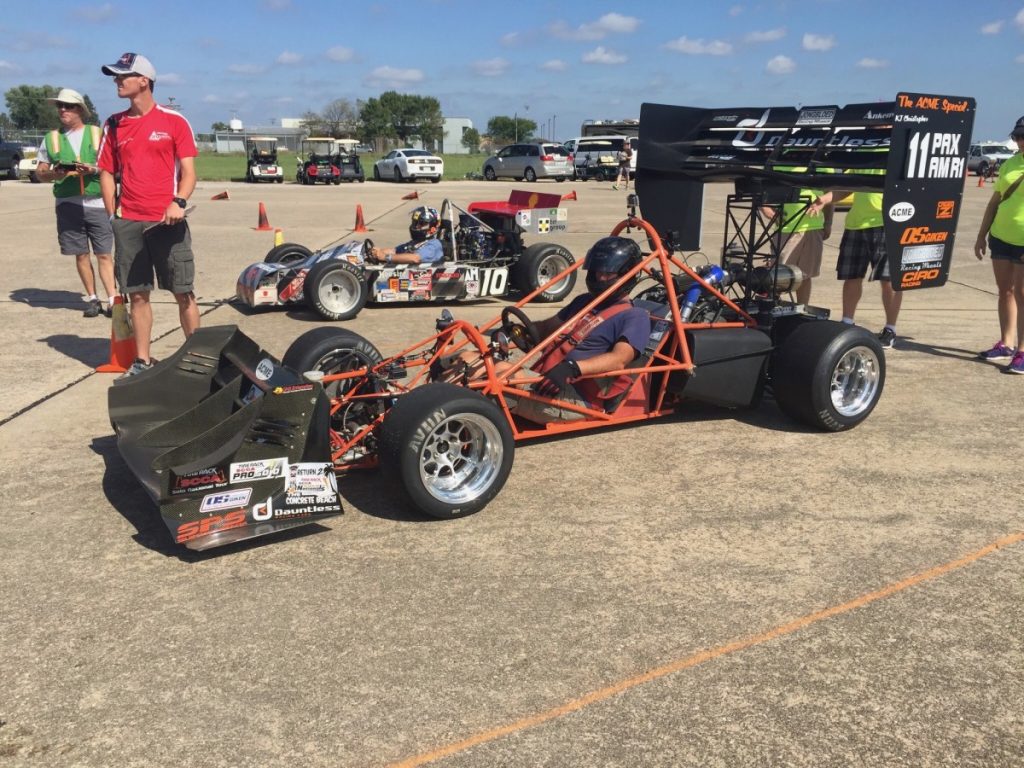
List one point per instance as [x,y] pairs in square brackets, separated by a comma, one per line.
[863,246]
[1003,222]
[803,235]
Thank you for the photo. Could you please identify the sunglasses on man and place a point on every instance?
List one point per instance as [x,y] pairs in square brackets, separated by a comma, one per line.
[65,105]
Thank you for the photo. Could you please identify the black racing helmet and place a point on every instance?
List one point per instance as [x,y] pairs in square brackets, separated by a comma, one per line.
[615,255]
[424,223]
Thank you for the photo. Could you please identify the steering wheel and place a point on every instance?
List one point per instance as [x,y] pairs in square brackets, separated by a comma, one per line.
[524,334]
[367,250]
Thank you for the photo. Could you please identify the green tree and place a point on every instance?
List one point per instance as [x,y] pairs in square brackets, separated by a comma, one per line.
[28,107]
[471,139]
[219,126]
[401,116]
[504,129]
[340,119]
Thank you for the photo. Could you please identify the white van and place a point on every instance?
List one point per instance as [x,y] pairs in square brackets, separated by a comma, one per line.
[600,152]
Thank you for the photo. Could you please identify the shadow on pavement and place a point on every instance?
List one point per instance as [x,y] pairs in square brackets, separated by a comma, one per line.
[88,351]
[47,299]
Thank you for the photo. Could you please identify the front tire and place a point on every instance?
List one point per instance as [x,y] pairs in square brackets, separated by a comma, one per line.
[538,264]
[828,375]
[530,175]
[15,172]
[336,289]
[489,174]
[287,253]
[331,351]
[449,448]
[376,173]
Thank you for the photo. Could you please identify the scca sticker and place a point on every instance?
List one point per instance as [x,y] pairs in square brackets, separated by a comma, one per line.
[263,469]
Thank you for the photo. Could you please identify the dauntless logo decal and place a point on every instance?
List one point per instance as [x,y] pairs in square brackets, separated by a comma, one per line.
[754,139]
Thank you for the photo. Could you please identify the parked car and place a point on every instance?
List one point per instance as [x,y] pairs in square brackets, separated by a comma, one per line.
[12,153]
[530,162]
[409,164]
[985,158]
[597,157]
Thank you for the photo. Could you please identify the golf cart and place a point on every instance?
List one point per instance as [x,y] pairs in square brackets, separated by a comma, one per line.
[262,160]
[347,160]
[317,162]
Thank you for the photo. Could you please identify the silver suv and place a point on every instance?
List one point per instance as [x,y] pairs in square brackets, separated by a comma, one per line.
[986,157]
[530,162]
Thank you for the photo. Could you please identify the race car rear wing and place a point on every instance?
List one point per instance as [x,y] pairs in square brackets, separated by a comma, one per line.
[913,150]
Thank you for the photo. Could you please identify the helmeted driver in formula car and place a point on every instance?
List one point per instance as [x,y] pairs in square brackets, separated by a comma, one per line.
[423,248]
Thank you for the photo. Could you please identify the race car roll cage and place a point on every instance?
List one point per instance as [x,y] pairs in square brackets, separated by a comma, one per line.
[682,148]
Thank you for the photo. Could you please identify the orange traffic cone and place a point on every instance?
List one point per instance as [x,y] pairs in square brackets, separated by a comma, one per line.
[278,237]
[264,225]
[414,195]
[360,224]
[221,196]
[122,340]
[981,180]
[570,195]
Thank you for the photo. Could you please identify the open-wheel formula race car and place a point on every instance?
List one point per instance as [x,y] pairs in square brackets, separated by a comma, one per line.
[485,256]
[241,448]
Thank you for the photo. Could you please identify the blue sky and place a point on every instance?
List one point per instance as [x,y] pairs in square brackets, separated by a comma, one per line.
[557,63]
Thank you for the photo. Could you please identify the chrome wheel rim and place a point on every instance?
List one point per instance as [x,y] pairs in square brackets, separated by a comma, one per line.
[461,458]
[338,291]
[551,266]
[855,381]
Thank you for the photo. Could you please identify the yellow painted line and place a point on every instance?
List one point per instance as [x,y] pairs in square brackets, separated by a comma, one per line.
[614,689]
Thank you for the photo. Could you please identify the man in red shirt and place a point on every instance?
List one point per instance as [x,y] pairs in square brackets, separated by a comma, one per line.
[153,149]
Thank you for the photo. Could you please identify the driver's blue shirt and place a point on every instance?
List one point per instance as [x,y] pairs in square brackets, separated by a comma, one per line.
[430,251]
[632,326]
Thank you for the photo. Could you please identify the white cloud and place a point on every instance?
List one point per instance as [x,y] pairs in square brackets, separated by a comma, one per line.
[601,55]
[95,13]
[169,78]
[284,100]
[699,47]
[340,53]
[510,39]
[212,98]
[610,23]
[766,36]
[393,77]
[490,67]
[6,66]
[1019,19]
[277,5]
[780,65]
[288,58]
[869,63]
[814,42]
[554,65]
[736,10]
[994,28]
[246,69]
[1020,59]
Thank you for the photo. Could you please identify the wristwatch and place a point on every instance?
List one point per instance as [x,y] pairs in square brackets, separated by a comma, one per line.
[181,201]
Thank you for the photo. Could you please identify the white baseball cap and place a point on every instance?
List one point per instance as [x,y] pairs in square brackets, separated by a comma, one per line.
[70,96]
[131,64]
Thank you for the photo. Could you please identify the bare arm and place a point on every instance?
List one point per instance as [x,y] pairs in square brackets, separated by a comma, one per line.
[986,224]
[186,185]
[108,189]
[617,358]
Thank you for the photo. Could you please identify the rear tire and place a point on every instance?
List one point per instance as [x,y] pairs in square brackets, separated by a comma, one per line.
[398,175]
[336,289]
[331,350]
[287,253]
[449,448]
[538,264]
[828,375]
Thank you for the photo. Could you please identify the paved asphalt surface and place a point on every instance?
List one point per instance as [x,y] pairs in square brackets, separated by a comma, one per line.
[716,589]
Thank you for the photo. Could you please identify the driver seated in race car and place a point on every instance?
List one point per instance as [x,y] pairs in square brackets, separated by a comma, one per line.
[607,338]
[423,248]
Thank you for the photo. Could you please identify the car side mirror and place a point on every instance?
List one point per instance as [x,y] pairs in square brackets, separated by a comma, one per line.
[444,321]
